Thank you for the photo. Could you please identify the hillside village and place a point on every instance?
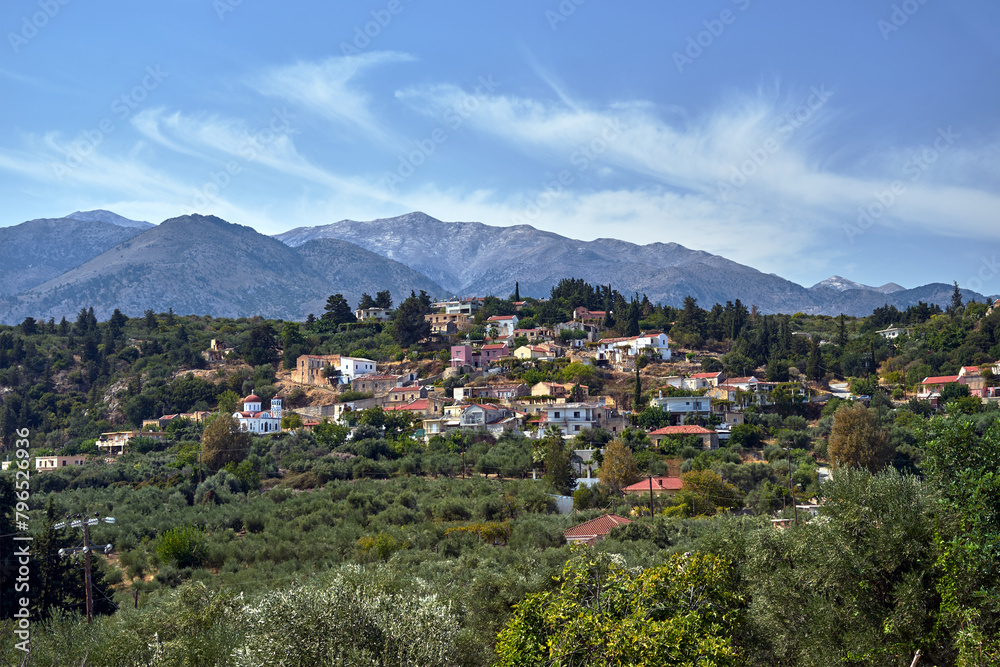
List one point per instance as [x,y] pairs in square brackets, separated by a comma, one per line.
[462,439]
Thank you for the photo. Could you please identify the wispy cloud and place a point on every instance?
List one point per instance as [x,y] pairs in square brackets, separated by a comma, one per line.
[330,89]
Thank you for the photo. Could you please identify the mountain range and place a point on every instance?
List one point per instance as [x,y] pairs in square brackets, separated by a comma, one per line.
[204,265]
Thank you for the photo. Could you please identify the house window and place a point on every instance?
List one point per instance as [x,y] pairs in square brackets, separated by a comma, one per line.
[556,415]
[576,415]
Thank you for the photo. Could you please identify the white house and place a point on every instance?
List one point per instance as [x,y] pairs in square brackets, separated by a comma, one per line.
[893,332]
[505,324]
[618,349]
[255,420]
[377,314]
[683,404]
[351,367]
[703,380]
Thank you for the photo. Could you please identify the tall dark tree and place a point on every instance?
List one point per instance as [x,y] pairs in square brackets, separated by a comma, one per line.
[814,366]
[956,301]
[842,332]
[383,299]
[261,347]
[366,301]
[632,313]
[117,323]
[558,469]
[409,325]
[637,398]
[338,311]
[150,320]
[517,291]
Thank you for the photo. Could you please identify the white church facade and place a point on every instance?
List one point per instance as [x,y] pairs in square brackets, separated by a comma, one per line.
[255,420]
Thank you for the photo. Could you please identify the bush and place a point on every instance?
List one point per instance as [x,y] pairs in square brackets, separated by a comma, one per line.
[452,509]
[182,547]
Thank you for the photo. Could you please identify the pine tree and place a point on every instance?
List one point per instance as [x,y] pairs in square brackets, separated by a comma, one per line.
[956,301]
[338,311]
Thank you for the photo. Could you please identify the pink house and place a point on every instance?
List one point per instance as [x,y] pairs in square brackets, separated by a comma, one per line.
[494,352]
[462,355]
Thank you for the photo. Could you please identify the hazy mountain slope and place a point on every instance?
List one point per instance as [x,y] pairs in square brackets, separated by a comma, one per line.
[101,215]
[354,270]
[205,265]
[39,250]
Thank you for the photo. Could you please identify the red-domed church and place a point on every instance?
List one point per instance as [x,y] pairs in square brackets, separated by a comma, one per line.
[255,420]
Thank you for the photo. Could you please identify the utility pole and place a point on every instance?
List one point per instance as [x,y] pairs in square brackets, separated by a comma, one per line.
[650,496]
[86,547]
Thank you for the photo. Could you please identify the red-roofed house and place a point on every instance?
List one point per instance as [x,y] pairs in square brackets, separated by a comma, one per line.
[709,438]
[667,485]
[400,395]
[937,382]
[591,532]
[619,349]
[493,352]
[589,316]
[505,324]
[703,380]
[427,407]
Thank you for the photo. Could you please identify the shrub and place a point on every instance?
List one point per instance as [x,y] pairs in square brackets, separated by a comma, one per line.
[183,547]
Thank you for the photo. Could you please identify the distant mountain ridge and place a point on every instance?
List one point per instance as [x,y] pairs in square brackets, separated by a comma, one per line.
[204,265]
[843,284]
[101,215]
[474,258]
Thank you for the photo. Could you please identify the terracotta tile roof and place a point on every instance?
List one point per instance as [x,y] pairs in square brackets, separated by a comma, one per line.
[940,379]
[705,376]
[500,318]
[419,404]
[659,484]
[598,527]
[743,380]
[376,377]
[495,346]
[684,429]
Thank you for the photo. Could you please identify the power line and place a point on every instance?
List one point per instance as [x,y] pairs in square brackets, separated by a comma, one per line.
[86,548]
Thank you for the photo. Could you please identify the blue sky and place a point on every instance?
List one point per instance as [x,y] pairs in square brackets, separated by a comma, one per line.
[859,138]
